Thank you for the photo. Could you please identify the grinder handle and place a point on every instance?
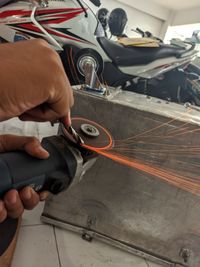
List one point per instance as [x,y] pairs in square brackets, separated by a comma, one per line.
[18,169]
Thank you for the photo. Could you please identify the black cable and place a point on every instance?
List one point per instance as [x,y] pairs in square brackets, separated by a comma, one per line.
[81,5]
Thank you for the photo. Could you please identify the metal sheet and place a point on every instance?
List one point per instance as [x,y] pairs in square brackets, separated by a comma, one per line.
[144,214]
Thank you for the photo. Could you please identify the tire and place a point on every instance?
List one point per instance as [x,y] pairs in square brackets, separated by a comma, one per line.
[72,59]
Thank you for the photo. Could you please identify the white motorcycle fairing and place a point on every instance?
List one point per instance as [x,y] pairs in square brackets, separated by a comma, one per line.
[63,20]
[67,23]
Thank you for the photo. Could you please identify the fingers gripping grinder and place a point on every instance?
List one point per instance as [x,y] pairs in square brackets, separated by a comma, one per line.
[68,162]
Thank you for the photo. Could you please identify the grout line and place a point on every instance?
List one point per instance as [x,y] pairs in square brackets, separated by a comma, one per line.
[54,231]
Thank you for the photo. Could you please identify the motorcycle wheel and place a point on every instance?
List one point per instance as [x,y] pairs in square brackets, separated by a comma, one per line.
[74,60]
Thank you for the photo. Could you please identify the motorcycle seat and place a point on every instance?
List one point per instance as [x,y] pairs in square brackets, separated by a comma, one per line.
[130,56]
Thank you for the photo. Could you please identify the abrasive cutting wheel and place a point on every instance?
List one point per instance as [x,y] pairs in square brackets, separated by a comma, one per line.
[95,136]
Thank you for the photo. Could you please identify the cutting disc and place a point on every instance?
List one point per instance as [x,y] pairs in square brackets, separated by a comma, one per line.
[95,136]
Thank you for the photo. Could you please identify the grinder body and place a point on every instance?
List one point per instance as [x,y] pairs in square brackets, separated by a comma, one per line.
[55,174]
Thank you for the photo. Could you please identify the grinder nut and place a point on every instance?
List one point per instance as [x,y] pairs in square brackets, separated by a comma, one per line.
[90,130]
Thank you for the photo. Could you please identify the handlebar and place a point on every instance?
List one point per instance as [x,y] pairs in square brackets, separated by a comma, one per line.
[193,45]
[189,51]
[140,31]
[148,34]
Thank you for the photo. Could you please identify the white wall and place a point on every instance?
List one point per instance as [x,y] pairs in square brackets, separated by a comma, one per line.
[149,7]
[136,17]
[187,16]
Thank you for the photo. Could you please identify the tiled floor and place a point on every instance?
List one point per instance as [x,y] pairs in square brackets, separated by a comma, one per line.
[42,245]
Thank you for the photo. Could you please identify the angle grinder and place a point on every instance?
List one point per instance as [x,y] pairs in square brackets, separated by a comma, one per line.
[70,157]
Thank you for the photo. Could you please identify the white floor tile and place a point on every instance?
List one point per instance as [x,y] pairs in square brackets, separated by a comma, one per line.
[33,217]
[15,126]
[75,252]
[36,247]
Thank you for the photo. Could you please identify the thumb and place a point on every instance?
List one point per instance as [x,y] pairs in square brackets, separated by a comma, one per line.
[30,144]
[67,120]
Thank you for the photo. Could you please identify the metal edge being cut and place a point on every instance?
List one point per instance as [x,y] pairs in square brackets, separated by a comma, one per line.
[89,235]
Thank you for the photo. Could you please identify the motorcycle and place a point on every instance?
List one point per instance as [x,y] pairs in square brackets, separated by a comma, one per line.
[176,86]
[73,30]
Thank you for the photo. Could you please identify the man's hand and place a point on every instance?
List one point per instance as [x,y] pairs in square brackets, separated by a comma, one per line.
[33,83]
[14,203]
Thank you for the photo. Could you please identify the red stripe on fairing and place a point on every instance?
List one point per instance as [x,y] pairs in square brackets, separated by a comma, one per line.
[21,12]
[67,14]
[59,10]
[35,29]
[9,13]
[58,19]
[29,26]
[62,17]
